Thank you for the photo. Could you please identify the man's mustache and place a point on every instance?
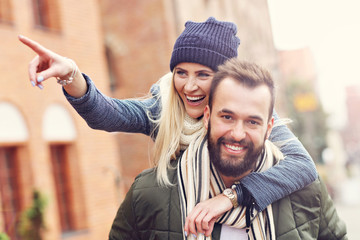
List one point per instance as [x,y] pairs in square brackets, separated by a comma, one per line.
[243,142]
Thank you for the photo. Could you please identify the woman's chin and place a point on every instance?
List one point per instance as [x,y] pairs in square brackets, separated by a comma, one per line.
[195,113]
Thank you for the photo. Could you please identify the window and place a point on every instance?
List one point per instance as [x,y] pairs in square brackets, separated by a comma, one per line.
[62,186]
[111,68]
[9,190]
[46,14]
[5,11]
[67,188]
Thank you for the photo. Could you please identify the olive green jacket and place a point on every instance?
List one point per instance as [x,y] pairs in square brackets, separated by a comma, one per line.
[152,212]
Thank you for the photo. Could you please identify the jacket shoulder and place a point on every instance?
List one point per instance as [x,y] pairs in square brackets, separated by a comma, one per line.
[147,179]
[156,207]
[302,215]
[149,211]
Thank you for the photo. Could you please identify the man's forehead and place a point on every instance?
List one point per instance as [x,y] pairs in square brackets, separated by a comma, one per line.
[233,96]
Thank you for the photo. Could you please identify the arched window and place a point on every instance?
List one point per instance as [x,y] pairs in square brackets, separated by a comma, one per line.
[58,125]
[59,131]
[13,133]
[12,124]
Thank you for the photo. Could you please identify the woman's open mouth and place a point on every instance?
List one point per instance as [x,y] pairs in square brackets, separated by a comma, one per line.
[195,100]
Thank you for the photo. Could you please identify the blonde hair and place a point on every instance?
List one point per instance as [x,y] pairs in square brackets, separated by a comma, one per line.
[169,127]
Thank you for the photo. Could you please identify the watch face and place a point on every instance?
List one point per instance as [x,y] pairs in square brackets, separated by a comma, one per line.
[227,191]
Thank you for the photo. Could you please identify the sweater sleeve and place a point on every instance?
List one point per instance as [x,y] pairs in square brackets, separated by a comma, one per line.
[114,115]
[296,171]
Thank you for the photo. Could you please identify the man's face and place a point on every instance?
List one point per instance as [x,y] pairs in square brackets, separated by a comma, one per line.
[237,126]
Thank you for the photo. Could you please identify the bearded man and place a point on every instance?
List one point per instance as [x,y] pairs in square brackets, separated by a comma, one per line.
[238,121]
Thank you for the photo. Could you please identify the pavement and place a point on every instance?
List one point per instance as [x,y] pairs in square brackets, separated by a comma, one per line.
[349,213]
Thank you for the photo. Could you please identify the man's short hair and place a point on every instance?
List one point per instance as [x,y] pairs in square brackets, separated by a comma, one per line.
[247,73]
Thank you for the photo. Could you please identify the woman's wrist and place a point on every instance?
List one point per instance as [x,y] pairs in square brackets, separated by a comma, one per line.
[68,79]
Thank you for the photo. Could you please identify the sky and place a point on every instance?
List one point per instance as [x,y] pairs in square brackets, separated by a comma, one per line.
[331,28]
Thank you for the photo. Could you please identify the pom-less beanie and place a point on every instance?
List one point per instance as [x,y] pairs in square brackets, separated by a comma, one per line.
[209,43]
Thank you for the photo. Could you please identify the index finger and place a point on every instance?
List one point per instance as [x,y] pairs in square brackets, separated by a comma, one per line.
[35,46]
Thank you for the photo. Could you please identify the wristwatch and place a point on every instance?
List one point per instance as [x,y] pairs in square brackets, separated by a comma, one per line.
[228,192]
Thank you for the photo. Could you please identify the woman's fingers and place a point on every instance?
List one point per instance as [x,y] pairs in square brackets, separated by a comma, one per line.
[36,47]
[39,67]
[32,69]
[46,64]
[40,71]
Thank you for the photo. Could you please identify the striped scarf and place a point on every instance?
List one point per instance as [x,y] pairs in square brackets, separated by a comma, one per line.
[192,127]
[199,180]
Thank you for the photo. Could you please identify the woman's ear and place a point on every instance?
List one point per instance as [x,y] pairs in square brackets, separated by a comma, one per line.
[206,116]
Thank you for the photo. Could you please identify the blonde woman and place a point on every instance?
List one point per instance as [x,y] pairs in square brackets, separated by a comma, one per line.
[173,113]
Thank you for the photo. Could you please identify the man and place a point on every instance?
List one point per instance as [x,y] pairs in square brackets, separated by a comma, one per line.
[238,121]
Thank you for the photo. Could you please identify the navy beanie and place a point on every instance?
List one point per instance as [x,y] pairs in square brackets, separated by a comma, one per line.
[209,43]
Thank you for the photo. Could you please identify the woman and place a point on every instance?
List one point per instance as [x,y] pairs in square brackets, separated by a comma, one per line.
[172,115]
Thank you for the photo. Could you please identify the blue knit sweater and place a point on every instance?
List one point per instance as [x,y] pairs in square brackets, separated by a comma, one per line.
[114,115]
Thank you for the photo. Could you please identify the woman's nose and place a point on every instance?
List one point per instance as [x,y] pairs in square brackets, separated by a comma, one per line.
[190,84]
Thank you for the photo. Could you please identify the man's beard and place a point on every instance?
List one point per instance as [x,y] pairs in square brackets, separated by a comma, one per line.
[232,166]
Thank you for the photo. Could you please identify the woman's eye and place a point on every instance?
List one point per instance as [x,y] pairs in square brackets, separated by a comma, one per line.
[203,75]
[180,72]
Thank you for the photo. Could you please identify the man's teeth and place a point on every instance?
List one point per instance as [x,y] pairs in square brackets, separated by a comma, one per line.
[194,98]
[235,148]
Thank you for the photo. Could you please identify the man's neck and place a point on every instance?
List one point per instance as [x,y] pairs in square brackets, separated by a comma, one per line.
[229,181]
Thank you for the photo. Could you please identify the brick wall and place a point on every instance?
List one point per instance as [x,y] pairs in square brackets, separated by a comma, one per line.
[140,38]
[94,152]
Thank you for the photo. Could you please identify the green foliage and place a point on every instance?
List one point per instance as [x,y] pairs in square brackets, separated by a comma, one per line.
[3,236]
[32,219]
[309,123]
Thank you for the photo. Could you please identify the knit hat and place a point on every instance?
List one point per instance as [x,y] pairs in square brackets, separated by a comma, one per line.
[209,43]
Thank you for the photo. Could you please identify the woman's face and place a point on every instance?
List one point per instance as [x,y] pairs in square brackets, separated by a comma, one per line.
[192,82]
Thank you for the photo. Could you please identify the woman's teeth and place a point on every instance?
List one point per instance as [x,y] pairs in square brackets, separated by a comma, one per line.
[194,99]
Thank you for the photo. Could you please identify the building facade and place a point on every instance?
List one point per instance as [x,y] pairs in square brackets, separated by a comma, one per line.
[125,47]
[44,144]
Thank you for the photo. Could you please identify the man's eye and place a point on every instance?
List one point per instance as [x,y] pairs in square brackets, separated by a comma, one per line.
[227,117]
[252,122]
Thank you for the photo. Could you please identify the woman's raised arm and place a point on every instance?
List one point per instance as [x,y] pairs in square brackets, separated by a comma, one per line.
[47,64]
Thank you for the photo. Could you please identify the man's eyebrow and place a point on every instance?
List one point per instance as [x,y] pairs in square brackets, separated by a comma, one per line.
[224,110]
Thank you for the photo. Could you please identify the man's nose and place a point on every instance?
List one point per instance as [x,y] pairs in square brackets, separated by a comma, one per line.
[238,132]
[190,84]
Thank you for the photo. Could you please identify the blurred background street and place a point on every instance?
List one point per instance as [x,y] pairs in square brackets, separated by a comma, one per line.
[76,177]
[347,212]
